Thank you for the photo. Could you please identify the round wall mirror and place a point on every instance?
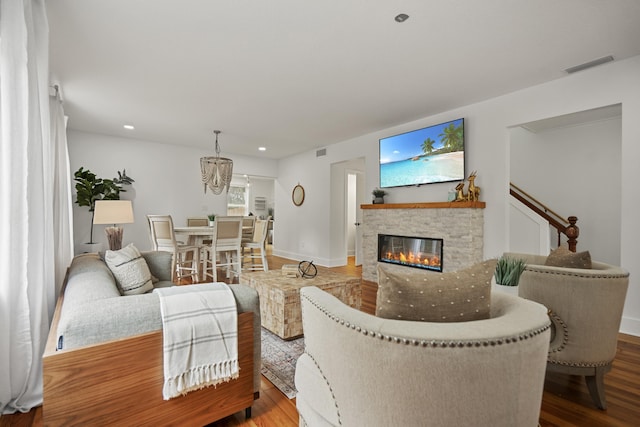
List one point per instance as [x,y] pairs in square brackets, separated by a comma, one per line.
[297,195]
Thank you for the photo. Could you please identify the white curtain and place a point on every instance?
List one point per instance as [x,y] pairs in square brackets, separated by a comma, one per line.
[62,200]
[35,209]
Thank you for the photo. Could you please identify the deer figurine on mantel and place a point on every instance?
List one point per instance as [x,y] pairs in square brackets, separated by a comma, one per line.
[473,193]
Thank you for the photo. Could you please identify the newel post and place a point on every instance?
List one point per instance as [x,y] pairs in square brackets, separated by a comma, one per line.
[572,232]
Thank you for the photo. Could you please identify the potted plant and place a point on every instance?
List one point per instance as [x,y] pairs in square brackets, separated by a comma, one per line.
[507,273]
[378,195]
[212,218]
[90,188]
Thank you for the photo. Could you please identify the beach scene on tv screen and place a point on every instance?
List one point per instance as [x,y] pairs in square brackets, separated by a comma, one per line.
[424,156]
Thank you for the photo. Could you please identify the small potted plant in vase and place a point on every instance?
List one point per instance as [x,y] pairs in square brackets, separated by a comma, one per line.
[507,274]
[212,218]
[378,195]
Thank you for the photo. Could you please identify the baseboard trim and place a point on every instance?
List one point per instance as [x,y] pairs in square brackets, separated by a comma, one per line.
[323,262]
[630,326]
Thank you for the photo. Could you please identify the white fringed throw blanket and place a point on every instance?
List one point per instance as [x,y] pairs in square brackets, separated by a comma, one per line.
[200,337]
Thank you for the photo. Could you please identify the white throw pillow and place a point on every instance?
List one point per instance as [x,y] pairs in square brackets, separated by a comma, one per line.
[130,270]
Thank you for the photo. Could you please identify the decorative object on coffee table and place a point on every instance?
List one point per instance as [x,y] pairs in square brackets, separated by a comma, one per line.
[307,269]
[290,270]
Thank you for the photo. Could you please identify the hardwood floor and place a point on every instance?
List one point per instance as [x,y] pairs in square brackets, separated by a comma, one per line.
[565,401]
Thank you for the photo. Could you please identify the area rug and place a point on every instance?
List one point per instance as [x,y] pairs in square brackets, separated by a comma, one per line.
[279,361]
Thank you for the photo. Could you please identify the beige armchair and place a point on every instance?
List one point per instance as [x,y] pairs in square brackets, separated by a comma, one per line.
[585,307]
[362,370]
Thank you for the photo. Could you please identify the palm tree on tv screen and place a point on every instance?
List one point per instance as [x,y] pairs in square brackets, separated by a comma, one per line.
[452,137]
[427,146]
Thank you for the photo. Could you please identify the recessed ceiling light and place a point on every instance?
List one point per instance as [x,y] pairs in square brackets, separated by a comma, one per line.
[262,148]
[401,17]
[129,127]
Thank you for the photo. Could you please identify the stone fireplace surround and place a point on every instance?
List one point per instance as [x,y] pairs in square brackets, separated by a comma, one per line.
[460,224]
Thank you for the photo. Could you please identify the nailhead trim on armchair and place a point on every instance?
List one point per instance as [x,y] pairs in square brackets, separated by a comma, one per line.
[434,343]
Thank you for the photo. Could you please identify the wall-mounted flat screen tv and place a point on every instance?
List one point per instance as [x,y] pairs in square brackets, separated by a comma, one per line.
[423,156]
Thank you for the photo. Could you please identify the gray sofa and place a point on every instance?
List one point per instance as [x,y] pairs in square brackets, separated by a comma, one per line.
[92,319]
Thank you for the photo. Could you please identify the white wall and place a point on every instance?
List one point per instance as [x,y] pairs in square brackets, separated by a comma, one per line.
[301,232]
[488,138]
[582,163]
[167,181]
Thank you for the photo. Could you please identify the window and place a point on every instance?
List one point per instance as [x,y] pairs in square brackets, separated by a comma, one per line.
[237,201]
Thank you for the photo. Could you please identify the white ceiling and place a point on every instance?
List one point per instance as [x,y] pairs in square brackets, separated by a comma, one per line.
[294,75]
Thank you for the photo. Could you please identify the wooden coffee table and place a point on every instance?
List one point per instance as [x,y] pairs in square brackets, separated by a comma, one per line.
[280,297]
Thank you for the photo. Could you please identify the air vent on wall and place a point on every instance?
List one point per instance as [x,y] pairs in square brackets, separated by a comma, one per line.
[260,203]
[321,152]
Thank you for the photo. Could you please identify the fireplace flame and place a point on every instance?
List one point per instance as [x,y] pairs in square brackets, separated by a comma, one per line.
[398,251]
[411,258]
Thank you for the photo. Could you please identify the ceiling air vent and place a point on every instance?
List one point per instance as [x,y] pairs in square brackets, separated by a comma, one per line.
[321,152]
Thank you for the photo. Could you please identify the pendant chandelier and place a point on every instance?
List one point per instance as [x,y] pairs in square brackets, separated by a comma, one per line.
[216,171]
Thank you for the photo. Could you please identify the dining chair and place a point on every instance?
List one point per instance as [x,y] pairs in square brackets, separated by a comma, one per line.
[257,244]
[186,258]
[197,221]
[225,250]
[248,225]
[209,257]
[200,221]
[201,241]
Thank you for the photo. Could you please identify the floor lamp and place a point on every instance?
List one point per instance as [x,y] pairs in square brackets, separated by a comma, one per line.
[113,212]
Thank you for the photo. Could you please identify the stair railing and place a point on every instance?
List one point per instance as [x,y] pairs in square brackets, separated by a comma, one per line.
[564,226]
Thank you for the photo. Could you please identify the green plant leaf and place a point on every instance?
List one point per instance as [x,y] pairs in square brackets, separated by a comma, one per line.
[508,271]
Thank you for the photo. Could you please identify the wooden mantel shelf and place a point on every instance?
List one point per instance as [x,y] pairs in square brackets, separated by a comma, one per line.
[432,205]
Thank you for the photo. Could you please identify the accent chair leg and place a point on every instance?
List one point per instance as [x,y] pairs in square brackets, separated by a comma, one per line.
[595,384]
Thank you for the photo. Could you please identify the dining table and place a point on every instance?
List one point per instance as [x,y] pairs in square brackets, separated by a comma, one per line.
[195,235]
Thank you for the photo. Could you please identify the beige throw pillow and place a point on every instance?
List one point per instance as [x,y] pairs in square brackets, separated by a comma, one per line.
[130,270]
[563,257]
[436,297]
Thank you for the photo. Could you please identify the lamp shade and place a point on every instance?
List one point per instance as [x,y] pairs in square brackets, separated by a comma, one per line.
[113,212]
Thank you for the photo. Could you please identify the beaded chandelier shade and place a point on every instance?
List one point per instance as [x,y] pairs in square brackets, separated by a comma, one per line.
[216,171]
